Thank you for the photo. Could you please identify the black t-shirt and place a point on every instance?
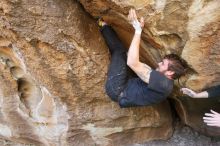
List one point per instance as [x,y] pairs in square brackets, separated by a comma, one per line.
[214,92]
[139,93]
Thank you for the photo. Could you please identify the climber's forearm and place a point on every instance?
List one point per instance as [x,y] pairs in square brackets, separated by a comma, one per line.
[193,94]
[203,94]
[133,52]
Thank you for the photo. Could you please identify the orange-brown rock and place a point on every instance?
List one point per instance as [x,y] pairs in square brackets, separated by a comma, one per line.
[53,69]
[53,63]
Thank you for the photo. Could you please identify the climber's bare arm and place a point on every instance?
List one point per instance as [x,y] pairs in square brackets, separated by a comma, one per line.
[141,69]
[193,94]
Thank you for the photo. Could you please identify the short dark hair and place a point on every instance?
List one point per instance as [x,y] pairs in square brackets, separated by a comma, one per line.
[177,64]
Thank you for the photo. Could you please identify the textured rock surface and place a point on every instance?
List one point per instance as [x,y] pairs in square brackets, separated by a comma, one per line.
[190,28]
[54,63]
[53,67]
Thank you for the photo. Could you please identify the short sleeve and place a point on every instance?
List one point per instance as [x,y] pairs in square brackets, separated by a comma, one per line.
[159,82]
[214,92]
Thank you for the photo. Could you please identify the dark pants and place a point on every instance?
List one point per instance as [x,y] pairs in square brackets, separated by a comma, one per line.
[118,69]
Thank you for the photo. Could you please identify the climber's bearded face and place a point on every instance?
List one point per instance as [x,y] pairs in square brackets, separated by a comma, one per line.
[163,67]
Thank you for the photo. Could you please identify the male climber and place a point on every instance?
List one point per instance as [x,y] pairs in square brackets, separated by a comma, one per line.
[151,86]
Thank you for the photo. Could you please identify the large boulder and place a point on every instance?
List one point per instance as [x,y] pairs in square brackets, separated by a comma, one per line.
[190,28]
[53,69]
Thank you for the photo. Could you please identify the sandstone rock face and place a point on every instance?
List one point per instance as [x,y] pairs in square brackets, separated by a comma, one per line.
[53,63]
[190,28]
